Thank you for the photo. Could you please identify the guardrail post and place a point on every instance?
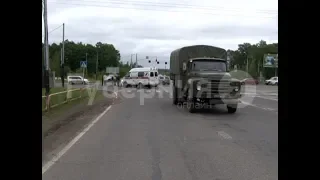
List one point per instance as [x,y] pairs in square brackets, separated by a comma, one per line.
[68,95]
[48,102]
[80,92]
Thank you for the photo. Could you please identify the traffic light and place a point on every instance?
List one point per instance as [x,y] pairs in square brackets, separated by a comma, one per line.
[165,63]
[157,62]
[149,61]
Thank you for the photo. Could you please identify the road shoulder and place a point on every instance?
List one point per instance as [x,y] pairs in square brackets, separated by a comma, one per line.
[61,129]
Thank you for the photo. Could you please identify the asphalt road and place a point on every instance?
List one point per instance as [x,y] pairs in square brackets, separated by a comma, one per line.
[151,139]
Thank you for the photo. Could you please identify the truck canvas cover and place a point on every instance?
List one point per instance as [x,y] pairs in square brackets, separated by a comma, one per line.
[183,54]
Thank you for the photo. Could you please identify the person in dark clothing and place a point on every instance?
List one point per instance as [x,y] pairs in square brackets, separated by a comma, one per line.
[112,80]
[118,80]
[102,80]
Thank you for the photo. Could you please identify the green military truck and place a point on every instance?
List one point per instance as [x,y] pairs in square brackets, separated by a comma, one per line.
[200,76]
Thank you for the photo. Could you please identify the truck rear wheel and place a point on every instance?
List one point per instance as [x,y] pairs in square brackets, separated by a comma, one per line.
[232,108]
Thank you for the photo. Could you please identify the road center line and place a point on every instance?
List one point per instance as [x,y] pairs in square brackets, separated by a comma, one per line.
[71,143]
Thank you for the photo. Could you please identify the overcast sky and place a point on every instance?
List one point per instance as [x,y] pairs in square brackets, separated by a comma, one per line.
[157,27]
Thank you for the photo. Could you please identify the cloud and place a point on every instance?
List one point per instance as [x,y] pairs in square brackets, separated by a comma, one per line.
[156,28]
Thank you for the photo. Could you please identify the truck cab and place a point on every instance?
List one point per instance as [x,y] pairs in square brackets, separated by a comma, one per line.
[203,80]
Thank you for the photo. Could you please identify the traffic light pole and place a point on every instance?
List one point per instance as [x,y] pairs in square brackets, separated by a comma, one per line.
[62,58]
[156,61]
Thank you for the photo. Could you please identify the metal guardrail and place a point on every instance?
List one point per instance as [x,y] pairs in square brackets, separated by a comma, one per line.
[65,97]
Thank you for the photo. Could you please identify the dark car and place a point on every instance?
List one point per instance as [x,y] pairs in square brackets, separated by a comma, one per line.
[166,80]
[250,81]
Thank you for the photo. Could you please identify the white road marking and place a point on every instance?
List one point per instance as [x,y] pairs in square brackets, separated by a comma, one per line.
[246,103]
[71,143]
[269,109]
[165,90]
[224,135]
[253,105]
[262,97]
[246,93]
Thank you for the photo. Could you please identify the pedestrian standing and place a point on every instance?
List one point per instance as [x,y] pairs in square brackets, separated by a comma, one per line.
[102,80]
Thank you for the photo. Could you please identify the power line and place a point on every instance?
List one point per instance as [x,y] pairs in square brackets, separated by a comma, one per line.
[54,29]
[137,8]
[170,5]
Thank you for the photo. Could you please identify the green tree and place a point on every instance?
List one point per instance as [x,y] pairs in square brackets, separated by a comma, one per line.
[107,55]
[255,54]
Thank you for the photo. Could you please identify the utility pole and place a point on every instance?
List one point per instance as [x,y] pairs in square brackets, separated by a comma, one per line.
[258,67]
[46,46]
[131,61]
[61,64]
[84,68]
[97,65]
[136,59]
[165,67]
[247,64]
[62,57]
[275,65]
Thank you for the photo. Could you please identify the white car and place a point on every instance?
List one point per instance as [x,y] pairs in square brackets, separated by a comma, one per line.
[109,77]
[272,81]
[77,80]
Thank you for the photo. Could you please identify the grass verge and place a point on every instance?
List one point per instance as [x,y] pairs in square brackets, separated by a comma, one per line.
[53,90]
[60,98]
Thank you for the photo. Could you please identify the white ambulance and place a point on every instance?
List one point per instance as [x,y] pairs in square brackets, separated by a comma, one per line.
[140,77]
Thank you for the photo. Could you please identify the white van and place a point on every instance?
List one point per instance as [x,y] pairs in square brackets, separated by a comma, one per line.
[140,77]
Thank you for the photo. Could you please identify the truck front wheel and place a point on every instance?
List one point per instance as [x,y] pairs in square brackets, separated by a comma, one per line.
[191,106]
[232,108]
